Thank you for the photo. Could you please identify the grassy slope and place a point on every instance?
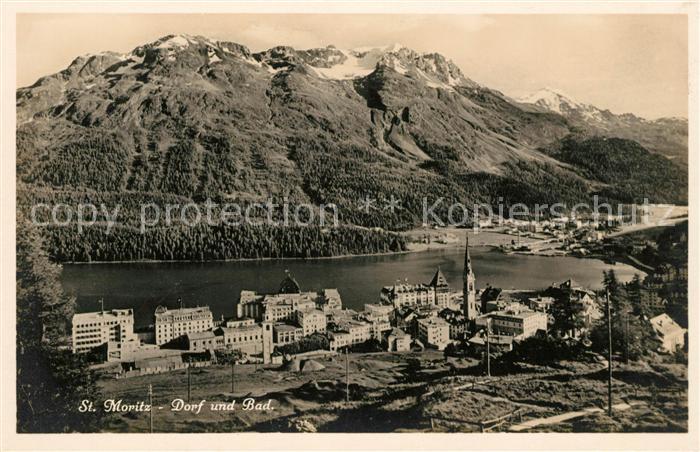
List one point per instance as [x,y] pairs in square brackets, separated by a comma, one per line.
[388,395]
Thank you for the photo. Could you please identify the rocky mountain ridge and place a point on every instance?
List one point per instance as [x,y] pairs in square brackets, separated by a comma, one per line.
[196,118]
[667,136]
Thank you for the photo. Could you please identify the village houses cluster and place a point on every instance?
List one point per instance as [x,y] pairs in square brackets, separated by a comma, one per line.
[406,317]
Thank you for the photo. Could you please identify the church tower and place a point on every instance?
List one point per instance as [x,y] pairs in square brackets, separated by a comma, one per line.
[470,306]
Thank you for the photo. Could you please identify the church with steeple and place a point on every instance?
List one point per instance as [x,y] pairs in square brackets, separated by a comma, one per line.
[471,308]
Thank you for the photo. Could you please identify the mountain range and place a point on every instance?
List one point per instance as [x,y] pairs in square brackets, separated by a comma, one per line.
[189,118]
[667,136]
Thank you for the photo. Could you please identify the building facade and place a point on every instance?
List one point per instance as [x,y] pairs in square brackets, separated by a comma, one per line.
[311,321]
[173,323]
[437,292]
[284,305]
[519,324]
[286,334]
[92,329]
[434,332]
[398,340]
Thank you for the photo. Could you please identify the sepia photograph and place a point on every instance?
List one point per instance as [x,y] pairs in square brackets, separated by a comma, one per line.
[351,223]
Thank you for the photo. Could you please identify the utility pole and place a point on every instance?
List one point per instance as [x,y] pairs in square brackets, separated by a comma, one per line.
[189,383]
[150,403]
[627,336]
[607,304]
[347,377]
[488,347]
[233,373]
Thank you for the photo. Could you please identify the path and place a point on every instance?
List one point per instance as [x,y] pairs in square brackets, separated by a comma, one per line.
[566,416]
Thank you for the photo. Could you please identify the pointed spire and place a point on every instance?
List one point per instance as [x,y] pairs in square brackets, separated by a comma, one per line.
[467,261]
[469,289]
[439,279]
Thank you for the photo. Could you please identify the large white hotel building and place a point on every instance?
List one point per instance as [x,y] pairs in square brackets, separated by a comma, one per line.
[173,323]
[92,329]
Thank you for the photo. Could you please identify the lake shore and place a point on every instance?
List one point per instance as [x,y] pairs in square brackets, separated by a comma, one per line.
[476,238]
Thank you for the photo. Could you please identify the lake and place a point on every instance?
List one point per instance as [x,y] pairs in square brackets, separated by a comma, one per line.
[143,286]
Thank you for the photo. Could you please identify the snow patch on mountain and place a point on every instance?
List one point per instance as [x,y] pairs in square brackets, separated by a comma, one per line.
[356,64]
[558,101]
[175,41]
[551,99]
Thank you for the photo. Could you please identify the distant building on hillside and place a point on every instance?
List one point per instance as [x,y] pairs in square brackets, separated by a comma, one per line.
[671,334]
[652,302]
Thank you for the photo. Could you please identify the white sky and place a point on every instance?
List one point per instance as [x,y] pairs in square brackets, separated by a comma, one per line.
[627,63]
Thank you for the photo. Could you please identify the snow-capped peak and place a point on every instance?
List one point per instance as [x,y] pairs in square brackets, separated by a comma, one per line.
[558,101]
[343,64]
[552,99]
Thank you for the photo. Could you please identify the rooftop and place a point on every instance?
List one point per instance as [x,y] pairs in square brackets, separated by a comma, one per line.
[437,321]
[200,335]
[398,332]
[663,324]
[524,314]
[285,327]
[86,316]
[165,310]
[239,329]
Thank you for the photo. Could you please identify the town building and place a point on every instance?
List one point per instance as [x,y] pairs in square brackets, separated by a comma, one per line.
[170,324]
[440,289]
[249,339]
[283,306]
[404,294]
[671,335]
[202,341]
[437,292]
[520,324]
[581,300]
[286,334]
[92,329]
[311,321]
[540,303]
[434,332]
[378,312]
[496,343]
[339,340]
[398,340]
[377,328]
[237,323]
[652,302]
[359,331]
[457,322]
